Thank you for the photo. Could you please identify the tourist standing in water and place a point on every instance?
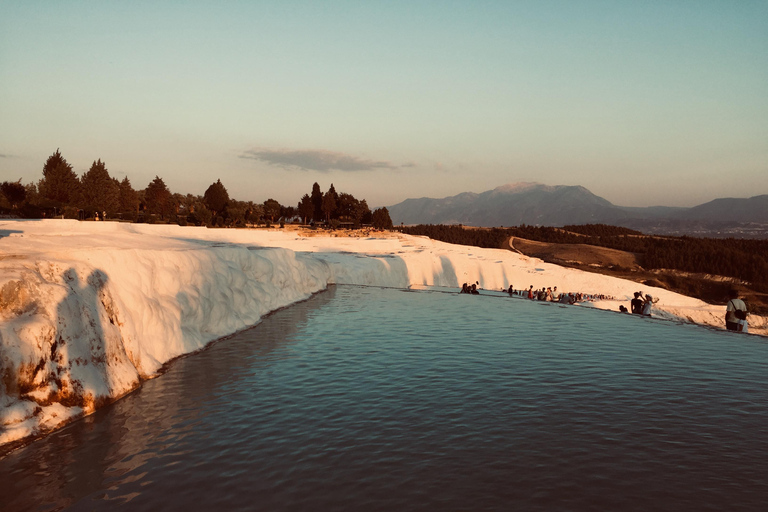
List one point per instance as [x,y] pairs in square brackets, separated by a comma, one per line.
[647,304]
[736,313]
[636,304]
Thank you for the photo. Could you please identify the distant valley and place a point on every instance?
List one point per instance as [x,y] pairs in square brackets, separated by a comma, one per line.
[544,205]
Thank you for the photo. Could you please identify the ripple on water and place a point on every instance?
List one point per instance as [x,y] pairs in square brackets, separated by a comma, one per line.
[366,398]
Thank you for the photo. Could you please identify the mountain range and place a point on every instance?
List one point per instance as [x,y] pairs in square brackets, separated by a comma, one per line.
[544,205]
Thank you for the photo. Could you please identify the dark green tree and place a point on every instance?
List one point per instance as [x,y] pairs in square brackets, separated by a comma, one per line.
[317,202]
[345,206]
[381,219]
[256,213]
[329,203]
[198,213]
[32,196]
[362,214]
[156,197]
[60,185]
[14,192]
[216,197]
[287,212]
[236,212]
[100,192]
[271,209]
[306,208]
[129,198]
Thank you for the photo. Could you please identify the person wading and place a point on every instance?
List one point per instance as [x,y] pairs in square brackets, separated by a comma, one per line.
[736,313]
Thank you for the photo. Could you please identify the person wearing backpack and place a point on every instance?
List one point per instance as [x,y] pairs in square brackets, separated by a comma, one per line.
[736,313]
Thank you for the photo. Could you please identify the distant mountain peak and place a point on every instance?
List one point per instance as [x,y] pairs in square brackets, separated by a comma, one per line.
[545,205]
[520,186]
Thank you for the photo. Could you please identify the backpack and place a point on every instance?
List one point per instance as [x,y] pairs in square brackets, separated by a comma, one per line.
[741,314]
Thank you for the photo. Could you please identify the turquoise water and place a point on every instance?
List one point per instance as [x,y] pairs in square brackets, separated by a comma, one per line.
[378,399]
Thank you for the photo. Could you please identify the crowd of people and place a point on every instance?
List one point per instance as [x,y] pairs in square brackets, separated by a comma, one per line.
[642,304]
[546,294]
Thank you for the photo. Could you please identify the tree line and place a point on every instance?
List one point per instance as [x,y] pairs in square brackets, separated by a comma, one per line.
[743,259]
[62,193]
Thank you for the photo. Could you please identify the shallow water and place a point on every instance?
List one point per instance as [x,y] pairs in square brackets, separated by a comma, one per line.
[376,399]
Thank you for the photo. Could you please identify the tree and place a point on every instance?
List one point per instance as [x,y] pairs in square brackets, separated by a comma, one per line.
[306,208]
[329,203]
[345,206]
[381,219]
[287,212]
[172,205]
[156,197]
[198,213]
[129,198]
[271,209]
[216,197]
[236,213]
[332,191]
[32,196]
[362,214]
[317,202]
[14,192]
[100,192]
[59,184]
[256,213]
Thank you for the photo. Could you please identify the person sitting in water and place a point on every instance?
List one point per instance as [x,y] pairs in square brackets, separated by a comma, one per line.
[474,290]
[464,288]
[636,304]
[623,309]
[649,301]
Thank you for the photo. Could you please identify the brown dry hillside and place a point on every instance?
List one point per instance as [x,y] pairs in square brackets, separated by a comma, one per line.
[575,254]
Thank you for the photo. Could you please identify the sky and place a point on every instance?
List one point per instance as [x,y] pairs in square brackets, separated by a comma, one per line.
[643,103]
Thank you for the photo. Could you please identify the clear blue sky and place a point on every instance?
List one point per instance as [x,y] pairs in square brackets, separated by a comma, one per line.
[644,103]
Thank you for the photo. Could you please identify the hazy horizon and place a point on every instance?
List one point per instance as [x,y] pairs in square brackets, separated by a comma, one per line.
[651,104]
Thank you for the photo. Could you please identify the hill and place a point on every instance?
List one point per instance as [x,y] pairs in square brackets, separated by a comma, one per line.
[753,209]
[543,205]
[508,205]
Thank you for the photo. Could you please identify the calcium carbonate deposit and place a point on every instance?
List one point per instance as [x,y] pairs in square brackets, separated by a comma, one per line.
[90,309]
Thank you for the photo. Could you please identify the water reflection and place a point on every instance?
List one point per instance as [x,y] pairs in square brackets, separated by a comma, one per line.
[374,399]
[147,429]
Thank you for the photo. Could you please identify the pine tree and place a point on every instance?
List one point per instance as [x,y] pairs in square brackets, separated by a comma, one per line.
[317,202]
[156,197]
[381,219]
[306,208]
[329,204]
[100,192]
[363,214]
[216,197]
[129,198]
[60,185]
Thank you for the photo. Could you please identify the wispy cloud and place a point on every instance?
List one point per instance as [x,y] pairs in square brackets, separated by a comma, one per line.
[316,160]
